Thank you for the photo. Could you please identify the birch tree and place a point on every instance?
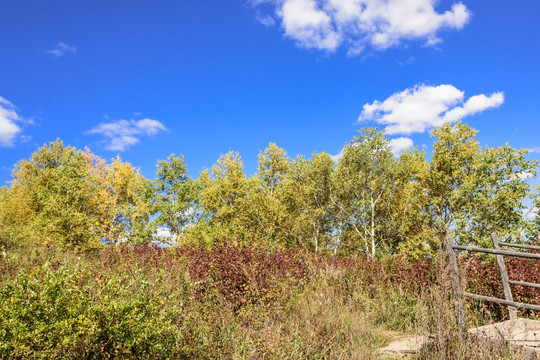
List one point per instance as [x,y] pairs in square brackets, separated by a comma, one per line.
[308,200]
[362,181]
[175,198]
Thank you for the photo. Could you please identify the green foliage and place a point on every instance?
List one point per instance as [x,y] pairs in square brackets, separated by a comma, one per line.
[224,190]
[273,166]
[363,182]
[50,200]
[175,199]
[370,202]
[307,197]
[475,191]
[414,234]
[67,312]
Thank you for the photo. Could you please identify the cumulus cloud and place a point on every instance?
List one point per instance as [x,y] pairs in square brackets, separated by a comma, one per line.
[328,24]
[122,134]
[304,21]
[8,122]
[421,108]
[61,49]
[335,158]
[400,144]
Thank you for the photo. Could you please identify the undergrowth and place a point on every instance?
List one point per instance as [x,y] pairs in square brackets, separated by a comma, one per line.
[227,302]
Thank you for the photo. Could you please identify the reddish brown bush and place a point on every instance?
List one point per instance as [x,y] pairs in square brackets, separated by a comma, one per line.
[242,275]
[483,278]
[239,275]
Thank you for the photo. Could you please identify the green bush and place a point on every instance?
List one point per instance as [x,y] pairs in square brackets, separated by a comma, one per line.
[226,302]
[75,312]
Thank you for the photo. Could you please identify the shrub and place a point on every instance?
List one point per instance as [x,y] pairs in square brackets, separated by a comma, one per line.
[220,302]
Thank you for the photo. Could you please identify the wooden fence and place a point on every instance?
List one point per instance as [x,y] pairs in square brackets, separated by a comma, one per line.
[499,253]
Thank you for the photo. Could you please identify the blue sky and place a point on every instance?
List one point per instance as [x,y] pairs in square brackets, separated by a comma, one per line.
[145,79]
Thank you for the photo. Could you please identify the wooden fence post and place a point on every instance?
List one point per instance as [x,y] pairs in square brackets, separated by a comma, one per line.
[512,310]
[454,278]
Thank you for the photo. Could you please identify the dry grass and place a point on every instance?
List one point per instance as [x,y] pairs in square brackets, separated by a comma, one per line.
[226,303]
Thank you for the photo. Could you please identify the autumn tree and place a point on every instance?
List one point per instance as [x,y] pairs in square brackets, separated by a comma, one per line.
[73,199]
[267,219]
[273,166]
[123,197]
[246,209]
[56,206]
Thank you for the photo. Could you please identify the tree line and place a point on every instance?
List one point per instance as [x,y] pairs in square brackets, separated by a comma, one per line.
[368,202]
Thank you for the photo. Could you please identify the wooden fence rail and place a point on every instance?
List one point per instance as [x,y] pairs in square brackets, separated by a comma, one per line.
[502,302]
[524,283]
[497,252]
[521,246]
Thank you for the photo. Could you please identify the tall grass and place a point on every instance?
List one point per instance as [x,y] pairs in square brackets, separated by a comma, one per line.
[224,303]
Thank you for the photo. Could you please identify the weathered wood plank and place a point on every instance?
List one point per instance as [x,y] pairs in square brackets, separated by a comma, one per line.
[512,310]
[454,279]
[497,252]
[521,246]
[502,302]
[524,283]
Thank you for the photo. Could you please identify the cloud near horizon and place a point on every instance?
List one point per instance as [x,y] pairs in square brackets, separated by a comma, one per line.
[121,134]
[61,49]
[400,144]
[422,108]
[328,24]
[8,122]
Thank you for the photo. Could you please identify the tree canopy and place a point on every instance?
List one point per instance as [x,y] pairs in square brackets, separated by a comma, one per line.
[368,202]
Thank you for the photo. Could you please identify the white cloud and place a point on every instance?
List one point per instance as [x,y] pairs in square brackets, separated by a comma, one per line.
[266,20]
[312,27]
[530,213]
[399,145]
[525,175]
[328,24]
[339,155]
[475,104]
[421,108]
[8,122]
[61,49]
[122,134]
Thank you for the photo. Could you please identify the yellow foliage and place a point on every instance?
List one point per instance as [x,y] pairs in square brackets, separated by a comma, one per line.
[73,199]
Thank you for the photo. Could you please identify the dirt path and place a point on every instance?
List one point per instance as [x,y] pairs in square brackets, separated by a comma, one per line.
[403,346]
